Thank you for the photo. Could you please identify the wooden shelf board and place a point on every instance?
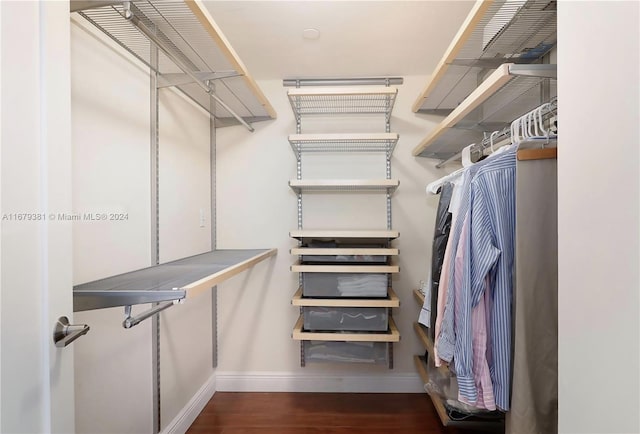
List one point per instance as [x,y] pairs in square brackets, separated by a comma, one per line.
[352,185]
[495,81]
[468,26]
[421,331]
[421,367]
[344,251]
[392,300]
[393,335]
[344,234]
[474,423]
[202,13]
[210,281]
[419,297]
[300,268]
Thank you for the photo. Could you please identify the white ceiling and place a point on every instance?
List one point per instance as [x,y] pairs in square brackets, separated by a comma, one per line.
[357,38]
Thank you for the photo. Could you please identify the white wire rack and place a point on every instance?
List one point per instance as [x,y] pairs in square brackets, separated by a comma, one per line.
[379,142]
[345,100]
[487,111]
[197,43]
[515,31]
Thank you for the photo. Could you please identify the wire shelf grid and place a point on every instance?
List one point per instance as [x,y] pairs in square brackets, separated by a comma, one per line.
[301,143]
[517,31]
[340,102]
[181,31]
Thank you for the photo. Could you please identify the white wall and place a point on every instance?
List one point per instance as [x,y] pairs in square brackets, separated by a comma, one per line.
[257,209]
[111,172]
[36,380]
[598,195]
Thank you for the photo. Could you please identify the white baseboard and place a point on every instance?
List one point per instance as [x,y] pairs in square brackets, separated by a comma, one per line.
[181,423]
[300,382]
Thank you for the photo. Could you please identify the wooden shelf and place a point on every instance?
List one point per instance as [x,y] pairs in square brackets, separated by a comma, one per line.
[427,343]
[392,335]
[342,100]
[188,29]
[421,367]
[419,297]
[346,185]
[171,281]
[475,423]
[509,92]
[494,32]
[392,300]
[344,268]
[372,142]
[423,335]
[346,236]
[320,251]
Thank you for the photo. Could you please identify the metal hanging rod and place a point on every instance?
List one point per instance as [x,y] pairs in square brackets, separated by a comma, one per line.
[83,5]
[372,81]
[502,135]
[129,16]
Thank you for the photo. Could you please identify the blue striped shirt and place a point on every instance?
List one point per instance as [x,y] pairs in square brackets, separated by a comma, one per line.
[490,253]
[446,341]
[489,200]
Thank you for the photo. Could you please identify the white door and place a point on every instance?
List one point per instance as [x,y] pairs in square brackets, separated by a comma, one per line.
[36,378]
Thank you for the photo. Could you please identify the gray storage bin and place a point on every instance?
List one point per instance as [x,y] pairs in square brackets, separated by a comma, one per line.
[344,259]
[345,318]
[374,353]
[344,285]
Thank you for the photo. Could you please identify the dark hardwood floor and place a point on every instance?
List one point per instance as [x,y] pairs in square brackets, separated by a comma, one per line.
[319,413]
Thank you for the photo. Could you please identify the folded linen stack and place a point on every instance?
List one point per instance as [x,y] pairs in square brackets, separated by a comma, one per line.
[363,285]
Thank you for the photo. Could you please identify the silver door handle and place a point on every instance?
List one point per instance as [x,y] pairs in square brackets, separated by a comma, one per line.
[65,333]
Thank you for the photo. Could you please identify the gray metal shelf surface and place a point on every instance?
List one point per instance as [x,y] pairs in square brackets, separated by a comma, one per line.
[194,39]
[495,32]
[518,96]
[341,101]
[378,142]
[166,282]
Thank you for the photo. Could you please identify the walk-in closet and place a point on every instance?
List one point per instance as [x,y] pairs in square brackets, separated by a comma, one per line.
[319,216]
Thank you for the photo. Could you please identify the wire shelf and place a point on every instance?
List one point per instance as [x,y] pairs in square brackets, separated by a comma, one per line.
[388,186]
[383,142]
[190,38]
[339,101]
[517,97]
[166,282]
[307,235]
[515,31]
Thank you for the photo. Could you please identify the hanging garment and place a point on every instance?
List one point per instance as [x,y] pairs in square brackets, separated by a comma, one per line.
[480,366]
[534,397]
[440,238]
[440,235]
[489,254]
[446,339]
[442,296]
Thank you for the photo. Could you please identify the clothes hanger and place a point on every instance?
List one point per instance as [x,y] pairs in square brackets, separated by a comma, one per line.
[434,187]
[541,132]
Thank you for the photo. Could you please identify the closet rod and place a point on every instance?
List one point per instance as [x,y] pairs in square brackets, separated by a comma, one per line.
[503,134]
[373,81]
[129,16]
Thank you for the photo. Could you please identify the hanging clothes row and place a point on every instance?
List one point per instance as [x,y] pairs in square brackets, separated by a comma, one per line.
[494,280]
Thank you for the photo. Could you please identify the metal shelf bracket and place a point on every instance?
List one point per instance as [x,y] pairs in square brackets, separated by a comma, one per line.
[131,321]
